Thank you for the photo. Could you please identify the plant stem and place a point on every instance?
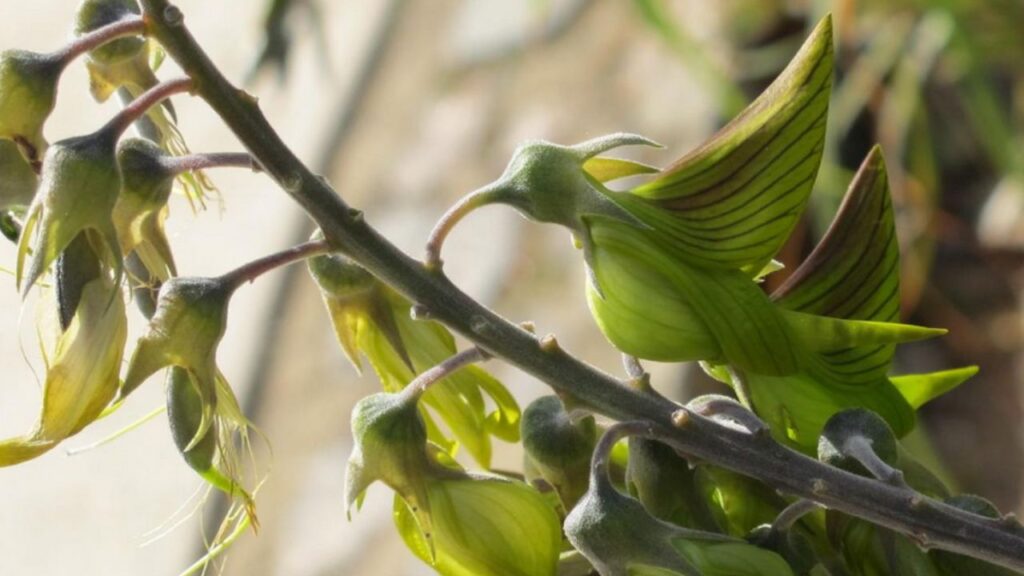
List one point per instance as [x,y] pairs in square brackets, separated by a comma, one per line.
[793,513]
[467,204]
[421,383]
[116,126]
[930,522]
[253,270]
[179,164]
[133,26]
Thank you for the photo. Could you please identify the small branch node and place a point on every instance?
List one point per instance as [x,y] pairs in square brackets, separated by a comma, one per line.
[173,16]
[549,344]
[681,418]
[529,326]
[819,487]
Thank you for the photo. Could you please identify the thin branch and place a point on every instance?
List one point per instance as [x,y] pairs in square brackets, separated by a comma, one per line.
[133,26]
[253,270]
[791,514]
[139,106]
[930,522]
[457,362]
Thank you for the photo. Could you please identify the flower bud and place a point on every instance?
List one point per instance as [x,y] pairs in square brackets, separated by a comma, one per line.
[558,450]
[141,209]
[77,192]
[371,318]
[82,376]
[28,94]
[18,181]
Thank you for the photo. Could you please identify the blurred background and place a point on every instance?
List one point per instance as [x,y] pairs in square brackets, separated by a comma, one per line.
[407,104]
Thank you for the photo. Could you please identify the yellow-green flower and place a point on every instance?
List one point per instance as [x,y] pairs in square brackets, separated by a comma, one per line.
[371,318]
[82,375]
[183,334]
[461,524]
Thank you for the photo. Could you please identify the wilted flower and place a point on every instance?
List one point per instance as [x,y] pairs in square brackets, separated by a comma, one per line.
[82,376]
[77,192]
[674,262]
[28,93]
[459,523]
[18,181]
[372,318]
[557,448]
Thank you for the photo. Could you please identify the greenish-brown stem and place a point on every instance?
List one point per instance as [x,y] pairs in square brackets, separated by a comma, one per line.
[139,106]
[98,37]
[456,362]
[930,522]
[253,270]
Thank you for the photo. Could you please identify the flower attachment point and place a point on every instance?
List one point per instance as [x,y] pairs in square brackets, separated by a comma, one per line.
[28,93]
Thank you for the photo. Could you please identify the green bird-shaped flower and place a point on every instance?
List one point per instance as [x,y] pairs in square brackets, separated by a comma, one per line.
[673,263]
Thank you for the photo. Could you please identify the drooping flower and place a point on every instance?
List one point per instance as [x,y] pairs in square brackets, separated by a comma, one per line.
[141,209]
[371,318]
[183,334]
[82,375]
[77,192]
[673,263]
[460,523]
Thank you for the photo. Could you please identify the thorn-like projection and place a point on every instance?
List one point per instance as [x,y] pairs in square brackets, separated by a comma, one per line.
[420,312]
[681,418]
[357,216]
[173,16]
[917,502]
[819,487]
[529,326]
[478,324]
[549,344]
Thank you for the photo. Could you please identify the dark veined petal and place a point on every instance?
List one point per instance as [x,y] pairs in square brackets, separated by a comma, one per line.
[854,271]
[733,202]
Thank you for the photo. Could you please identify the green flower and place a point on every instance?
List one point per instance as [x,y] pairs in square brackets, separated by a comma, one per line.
[77,192]
[18,182]
[371,318]
[28,94]
[674,263]
[82,375]
[668,486]
[461,524]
